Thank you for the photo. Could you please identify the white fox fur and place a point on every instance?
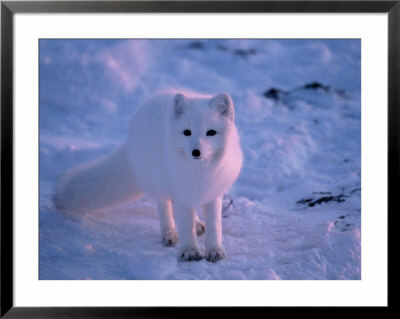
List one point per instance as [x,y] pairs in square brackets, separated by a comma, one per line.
[182,150]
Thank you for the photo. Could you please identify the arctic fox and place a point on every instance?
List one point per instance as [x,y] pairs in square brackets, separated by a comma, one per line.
[183,150]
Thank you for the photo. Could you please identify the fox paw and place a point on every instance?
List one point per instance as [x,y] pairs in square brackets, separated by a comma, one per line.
[190,254]
[216,254]
[170,238]
[200,228]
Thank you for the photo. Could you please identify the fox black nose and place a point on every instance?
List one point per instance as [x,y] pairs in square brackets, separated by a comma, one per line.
[196,153]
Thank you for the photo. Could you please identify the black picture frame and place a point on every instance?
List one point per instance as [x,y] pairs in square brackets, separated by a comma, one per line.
[9,8]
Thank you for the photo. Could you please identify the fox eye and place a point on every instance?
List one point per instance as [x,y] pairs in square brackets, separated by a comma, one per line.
[187,132]
[211,133]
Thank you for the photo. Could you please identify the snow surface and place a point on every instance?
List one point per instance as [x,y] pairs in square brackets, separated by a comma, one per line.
[294,212]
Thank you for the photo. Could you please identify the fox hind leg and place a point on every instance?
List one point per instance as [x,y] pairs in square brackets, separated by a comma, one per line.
[200,227]
[167,224]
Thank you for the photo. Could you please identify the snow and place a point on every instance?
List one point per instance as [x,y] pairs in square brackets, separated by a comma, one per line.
[294,212]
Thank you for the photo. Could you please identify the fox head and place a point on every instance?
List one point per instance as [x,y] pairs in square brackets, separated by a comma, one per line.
[201,127]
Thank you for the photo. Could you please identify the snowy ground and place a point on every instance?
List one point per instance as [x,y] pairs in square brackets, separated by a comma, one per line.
[295,210]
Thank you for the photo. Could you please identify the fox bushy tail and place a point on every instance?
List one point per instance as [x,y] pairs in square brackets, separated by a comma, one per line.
[101,184]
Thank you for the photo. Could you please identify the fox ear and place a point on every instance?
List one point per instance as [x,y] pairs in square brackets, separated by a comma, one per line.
[223,104]
[181,102]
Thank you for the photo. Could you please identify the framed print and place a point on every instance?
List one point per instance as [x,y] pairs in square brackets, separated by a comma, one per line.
[163,155]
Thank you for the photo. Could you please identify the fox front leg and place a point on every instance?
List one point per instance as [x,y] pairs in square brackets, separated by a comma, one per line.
[212,214]
[186,219]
